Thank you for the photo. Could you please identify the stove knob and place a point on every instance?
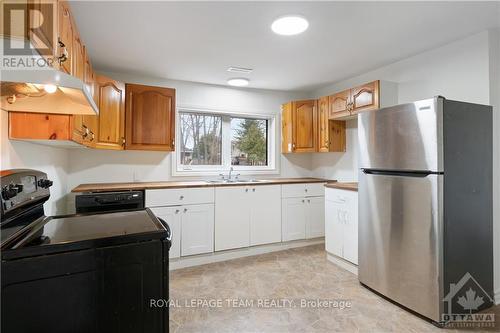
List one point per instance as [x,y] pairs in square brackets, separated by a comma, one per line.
[9,192]
[44,183]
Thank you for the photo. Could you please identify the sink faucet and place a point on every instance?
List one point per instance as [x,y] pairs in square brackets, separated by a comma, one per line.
[230,175]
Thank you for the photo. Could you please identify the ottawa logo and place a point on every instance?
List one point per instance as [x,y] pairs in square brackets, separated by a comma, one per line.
[463,302]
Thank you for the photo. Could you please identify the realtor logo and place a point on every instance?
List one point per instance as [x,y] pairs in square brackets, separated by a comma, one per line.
[464,300]
[24,23]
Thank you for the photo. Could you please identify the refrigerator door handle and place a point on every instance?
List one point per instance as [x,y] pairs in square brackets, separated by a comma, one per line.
[418,174]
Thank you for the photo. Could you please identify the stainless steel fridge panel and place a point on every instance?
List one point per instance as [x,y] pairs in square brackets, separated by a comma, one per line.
[403,137]
[400,239]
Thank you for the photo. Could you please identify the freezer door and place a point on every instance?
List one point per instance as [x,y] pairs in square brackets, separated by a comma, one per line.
[400,239]
[403,137]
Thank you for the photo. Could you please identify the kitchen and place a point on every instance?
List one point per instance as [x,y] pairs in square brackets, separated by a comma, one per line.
[270,217]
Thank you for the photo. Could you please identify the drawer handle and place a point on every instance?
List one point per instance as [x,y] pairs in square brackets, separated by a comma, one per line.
[305,190]
[181,197]
[246,190]
[176,211]
[253,190]
[303,200]
[308,201]
[185,210]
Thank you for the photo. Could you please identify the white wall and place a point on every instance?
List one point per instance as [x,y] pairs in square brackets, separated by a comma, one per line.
[53,161]
[494,39]
[459,70]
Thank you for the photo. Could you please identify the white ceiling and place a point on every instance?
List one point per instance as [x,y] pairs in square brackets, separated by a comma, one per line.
[198,41]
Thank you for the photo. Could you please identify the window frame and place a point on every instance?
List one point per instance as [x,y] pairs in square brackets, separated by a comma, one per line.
[211,170]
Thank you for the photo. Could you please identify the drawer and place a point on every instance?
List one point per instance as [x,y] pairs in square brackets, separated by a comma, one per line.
[302,190]
[181,196]
[340,196]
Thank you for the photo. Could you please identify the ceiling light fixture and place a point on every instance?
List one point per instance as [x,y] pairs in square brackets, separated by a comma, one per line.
[289,25]
[238,82]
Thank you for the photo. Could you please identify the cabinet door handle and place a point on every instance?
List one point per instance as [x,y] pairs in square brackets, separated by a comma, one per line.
[246,190]
[64,56]
[181,197]
[253,190]
[303,201]
[177,211]
[123,141]
[308,201]
[185,210]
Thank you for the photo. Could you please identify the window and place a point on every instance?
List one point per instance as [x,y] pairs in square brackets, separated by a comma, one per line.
[201,139]
[212,141]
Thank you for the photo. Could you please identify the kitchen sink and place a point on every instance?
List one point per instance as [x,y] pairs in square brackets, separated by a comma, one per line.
[235,181]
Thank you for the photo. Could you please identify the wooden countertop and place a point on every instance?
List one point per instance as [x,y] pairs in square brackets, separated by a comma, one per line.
[109,187]
[351,186]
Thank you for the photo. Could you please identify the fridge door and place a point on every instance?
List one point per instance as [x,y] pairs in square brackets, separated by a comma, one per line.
[402,137]
[400,239]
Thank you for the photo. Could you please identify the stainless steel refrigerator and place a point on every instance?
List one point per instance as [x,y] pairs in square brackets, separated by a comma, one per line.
[425,204]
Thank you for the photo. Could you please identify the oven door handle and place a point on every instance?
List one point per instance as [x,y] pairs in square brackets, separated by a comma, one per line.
[169,232]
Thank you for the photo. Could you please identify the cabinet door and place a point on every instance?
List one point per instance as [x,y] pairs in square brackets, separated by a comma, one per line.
[365,97]
[323,138]
[111,113]
[337,135]
[350,231]
[294,218]
[78,56]
[197,229]
[339,104]
[315,226]
[232,217]
[65,37]
[150,117]
[90,122]
[305,123]
[39,126]
[43,37]
[265,214]
[334,230]
[171,215]
[286,128]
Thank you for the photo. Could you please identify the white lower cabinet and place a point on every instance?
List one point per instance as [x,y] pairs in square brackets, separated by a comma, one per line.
[192,228]
[303,218]
[341,227]
[172,217]
[197,229]
[246,216]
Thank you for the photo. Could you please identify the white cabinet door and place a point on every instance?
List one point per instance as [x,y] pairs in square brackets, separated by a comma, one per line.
[197,229]
[315,226]
[171,215]
[334,228]
[294,218]
[232,217]
[350,234]
[265,214]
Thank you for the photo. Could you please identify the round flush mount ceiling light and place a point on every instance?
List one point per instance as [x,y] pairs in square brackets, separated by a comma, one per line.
[238,82]
[289,25]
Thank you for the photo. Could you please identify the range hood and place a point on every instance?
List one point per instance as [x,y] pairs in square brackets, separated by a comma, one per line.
[45,91]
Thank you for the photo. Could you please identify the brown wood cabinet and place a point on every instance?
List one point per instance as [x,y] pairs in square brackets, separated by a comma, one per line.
[111,130]
[365,97]
[339,104]
[350,102]
[331,133]
[65,36]
[149,118]
[301,119]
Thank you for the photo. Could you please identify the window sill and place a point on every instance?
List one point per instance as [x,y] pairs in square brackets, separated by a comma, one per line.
[198,172]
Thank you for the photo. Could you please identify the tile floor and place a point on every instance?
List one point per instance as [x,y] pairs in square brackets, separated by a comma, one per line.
[295,274]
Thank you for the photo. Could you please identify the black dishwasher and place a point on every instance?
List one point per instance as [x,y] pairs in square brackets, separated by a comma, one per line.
[109,201]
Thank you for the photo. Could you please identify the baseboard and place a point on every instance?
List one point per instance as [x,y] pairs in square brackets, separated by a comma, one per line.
[342,263]
[209,258]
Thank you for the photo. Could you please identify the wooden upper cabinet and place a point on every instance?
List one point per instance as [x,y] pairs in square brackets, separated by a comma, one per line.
[365,97]
[332,133]
[65,36]
[339,104]
[39,126]
[78,57]
[110,133]
[323,143]
[286,128]
[304,123]
[150,118]
[43,37]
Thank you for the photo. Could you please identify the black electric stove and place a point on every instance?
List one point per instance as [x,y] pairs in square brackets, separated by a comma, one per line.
[92,272]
